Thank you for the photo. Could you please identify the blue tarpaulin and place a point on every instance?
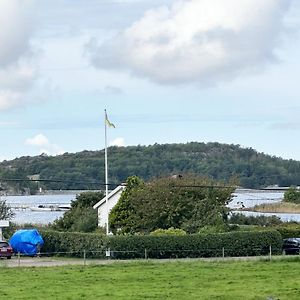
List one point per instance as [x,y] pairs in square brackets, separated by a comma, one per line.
[26,241]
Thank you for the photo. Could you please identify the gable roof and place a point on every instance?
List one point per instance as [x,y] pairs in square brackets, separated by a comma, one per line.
[117,190]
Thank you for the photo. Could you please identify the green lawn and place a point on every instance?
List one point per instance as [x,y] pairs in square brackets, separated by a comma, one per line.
[154,280]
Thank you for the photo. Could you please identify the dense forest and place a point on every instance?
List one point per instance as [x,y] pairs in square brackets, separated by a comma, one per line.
[81,170]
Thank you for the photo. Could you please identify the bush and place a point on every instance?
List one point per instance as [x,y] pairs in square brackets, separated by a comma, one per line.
[13,227]
[292,195]
[168,246]
[170,231]
[74,243]
[288,231]
[214,229]
[261,220]
[81,217]
[6,213]
[209,245]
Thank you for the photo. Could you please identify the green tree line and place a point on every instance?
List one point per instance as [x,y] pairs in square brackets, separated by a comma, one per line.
[215,160]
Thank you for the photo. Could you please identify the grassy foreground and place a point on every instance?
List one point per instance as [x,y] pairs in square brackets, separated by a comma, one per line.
[155,280]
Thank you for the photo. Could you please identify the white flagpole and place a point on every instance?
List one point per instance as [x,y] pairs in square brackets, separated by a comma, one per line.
[106,175]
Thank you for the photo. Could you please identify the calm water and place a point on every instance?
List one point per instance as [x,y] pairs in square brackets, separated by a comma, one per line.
[248,198]
[21,207]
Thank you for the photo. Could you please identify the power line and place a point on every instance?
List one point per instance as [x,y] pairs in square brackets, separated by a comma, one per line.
[275,189]
[58,181]
[104,184]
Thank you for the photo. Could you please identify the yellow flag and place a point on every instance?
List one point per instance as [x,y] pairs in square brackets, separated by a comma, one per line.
[108,123]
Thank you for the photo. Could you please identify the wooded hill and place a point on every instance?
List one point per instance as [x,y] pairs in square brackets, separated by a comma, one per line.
[219,161]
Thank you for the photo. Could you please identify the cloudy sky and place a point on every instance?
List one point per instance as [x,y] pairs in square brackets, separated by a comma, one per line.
[167,71]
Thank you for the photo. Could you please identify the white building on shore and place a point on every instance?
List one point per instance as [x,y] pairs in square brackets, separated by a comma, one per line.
[112,200]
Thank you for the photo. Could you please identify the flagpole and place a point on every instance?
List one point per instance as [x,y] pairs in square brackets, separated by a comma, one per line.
[106,174]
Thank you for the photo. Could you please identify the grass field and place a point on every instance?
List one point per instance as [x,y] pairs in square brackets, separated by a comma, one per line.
[278,279]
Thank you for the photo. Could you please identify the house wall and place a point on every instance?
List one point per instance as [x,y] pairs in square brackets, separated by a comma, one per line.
[102,213]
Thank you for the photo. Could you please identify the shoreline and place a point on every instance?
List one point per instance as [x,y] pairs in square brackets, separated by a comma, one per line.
[49,193]
[279,207]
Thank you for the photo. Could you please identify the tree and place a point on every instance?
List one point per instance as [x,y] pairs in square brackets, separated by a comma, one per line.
[81,217]
[219,161]
[187,202]
[292,195]
[6,212]
[121,217]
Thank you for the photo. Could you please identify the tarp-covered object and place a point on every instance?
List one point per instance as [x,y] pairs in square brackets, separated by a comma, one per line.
[26,241]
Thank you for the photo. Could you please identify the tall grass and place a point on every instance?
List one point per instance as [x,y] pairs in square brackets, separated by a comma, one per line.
[278,207]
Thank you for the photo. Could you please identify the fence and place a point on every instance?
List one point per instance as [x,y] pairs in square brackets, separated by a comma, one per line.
[86,257]
[95,246]
[131,247]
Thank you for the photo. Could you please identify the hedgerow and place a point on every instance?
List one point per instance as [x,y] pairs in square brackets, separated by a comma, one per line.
[131,247]
[74,243]
[289,231]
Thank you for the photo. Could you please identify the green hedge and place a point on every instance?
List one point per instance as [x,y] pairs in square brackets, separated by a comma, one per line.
[289,231]
[209,245]
[129,247]
[73,244]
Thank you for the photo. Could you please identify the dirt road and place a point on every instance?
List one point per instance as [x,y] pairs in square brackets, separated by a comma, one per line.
[62,261]
[48,262]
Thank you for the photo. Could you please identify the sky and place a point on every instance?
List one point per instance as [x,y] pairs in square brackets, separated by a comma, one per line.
[166,71]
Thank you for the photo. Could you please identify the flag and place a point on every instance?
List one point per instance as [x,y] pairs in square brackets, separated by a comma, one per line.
[107,122]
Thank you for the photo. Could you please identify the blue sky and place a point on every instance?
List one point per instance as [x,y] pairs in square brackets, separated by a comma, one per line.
[167,71]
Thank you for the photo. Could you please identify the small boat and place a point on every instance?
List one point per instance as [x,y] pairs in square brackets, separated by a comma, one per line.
[44,208]
[57,207]
[64,207]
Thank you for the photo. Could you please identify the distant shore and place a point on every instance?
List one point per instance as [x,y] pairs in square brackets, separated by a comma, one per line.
[48,192]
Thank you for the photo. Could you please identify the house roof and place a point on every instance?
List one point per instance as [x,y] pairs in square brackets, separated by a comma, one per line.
[118,189]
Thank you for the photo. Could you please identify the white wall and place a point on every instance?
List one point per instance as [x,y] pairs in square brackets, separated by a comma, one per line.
[102,214]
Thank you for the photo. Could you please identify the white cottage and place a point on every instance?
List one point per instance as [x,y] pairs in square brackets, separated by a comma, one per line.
[112,200]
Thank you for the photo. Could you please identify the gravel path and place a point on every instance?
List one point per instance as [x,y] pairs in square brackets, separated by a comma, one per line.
[61,261]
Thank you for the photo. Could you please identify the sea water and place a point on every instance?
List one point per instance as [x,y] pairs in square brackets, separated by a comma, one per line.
[23,214]
[249,198]
[21,206]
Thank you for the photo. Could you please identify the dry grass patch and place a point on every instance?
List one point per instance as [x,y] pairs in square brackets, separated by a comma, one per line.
[278,207]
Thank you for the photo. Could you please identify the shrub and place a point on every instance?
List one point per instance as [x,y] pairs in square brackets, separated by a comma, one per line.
[214,229]
[167,246]
[240,219]
[208,245]
[74,243]
[81,217]
[288,231]
[13,227]
[170,231]
[292,195]
[6,213]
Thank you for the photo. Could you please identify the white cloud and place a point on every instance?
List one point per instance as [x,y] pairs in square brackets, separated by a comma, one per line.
[44,145]
[119,142]
[38,140]
[17,68]
[16,28]
[197,40]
